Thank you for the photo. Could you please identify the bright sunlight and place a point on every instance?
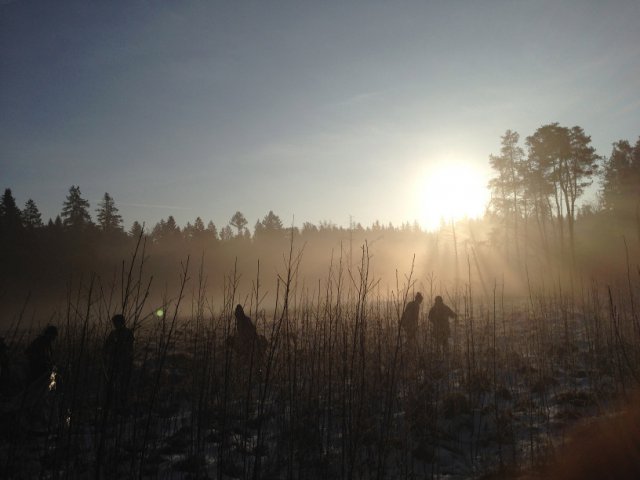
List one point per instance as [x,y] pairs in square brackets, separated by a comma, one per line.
[452,190]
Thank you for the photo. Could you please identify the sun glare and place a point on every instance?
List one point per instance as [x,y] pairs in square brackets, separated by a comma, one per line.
[452,191]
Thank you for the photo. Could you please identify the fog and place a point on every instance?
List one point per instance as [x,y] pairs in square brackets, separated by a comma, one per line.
[467,257]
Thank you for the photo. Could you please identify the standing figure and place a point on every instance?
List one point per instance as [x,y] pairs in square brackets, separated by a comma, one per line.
[409,320]
[439,317]
[247,339]
[39,356]
[38,405]
[118,361]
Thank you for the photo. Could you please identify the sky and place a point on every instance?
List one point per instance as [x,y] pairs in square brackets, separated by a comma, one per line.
[320,111]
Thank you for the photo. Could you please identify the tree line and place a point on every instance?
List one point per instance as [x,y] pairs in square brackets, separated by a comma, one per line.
[537,211]
[535,190]
[46,255]
[75,218]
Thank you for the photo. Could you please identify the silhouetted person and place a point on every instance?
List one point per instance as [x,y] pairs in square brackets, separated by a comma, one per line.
[247,339]
[36,402]
[439,317]
[409,320]
[118,358]
[39,355]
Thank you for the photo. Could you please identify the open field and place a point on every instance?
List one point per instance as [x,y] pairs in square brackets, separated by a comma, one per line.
[338,393]
[320,240]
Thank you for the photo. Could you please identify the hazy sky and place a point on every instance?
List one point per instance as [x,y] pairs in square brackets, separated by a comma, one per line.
[312,109]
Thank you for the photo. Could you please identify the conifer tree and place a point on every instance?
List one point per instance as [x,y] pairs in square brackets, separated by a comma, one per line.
[10,216]
[620,180]
[108,218]
[270,226]
[212,231]
[198,225]
[136,229]
[31,216]
[239,222]
[506,186]
[226,233]
[75,210]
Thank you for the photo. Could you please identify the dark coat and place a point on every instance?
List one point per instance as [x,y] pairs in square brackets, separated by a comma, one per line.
[409,320]
[247,339]
[118,350]
[39,358]
[439,316]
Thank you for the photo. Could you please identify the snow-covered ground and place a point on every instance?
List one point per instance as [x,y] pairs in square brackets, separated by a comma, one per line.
[331,401]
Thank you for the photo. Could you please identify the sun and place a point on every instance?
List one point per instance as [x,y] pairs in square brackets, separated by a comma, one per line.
[451,191]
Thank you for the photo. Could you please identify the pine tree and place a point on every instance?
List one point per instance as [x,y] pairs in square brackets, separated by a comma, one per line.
[198,225]
[136,229]
[31,216]
[188,232]
[171,226]
[506,187]
[620,192]
[561,164]
[269,227]
[157,234]
[75,210]
[226,233]
[166,230]
[108,218]
[238,221]
[10,216]
[212,231]
[195,231]
[272,221]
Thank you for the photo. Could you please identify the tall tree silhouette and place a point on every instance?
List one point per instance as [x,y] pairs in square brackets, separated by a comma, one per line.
[136,229]
[75,210]
[212,231]
[226,233]
[166,231]
[196,231]
[239,222]
[620,193]
[561,164]
[10,215]
[271,221]
[576,175]
[506,186]
[31,216]
[549,151]
[270,225]
[108,218]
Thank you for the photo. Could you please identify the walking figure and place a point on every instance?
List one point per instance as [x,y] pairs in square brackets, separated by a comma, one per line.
[439,317]
[409,320]
[118,361]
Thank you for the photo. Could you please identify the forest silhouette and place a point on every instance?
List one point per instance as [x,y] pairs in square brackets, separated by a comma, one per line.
[538,223]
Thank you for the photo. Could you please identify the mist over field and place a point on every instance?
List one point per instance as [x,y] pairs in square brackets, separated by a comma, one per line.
[540,230]
[318,240]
